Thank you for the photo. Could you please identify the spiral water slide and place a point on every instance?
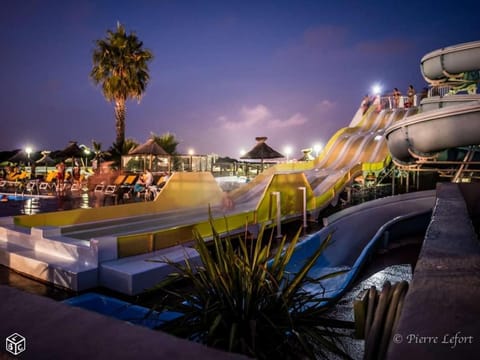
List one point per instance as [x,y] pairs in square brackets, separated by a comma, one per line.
[446,121]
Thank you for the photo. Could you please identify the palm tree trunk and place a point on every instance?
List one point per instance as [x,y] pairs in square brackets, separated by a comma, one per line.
[120,111]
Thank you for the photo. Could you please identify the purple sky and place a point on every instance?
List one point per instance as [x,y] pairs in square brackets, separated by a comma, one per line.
[224,71]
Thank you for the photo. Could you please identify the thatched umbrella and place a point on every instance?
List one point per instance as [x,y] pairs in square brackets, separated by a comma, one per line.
[20,157]
[307,155]
[262,151]
[45,160]
[71,151]
[148,149]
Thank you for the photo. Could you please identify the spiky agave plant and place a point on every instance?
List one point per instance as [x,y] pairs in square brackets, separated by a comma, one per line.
[243,300]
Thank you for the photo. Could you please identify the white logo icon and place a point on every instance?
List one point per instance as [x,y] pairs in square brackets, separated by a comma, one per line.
[16,344]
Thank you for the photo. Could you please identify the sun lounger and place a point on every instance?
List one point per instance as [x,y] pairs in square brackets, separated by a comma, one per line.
[31,187]
[113,188]
[46,187]
[99,188]
[117,189]
[76,186]
[126,189]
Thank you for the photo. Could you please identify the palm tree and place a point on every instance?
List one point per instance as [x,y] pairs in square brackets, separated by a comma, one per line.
[120,66]
[99,154]
[167,141]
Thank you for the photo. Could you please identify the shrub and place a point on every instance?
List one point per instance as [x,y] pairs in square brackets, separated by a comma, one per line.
[241,299]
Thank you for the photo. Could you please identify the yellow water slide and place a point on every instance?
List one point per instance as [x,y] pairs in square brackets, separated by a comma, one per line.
[182,206]
[351,151]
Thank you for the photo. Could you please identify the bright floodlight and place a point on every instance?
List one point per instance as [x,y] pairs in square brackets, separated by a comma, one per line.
[317,148]
[288,151]
[376,89]
[191,152]
[28,150]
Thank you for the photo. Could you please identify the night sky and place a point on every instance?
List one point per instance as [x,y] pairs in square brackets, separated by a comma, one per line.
[224,71]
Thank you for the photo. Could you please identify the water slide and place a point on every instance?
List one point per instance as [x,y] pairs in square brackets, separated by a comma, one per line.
[444,122]
[358,233]
[336,166]
[108,246]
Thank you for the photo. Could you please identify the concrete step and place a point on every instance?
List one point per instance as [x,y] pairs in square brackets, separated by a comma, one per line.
[134,275]
[48,240]
[61,271]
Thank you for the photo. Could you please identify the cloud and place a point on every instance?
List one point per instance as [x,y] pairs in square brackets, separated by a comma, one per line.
[295,120]
[259,116]
[325,106]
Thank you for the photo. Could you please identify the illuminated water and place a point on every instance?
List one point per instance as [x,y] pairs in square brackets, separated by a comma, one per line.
[12,205]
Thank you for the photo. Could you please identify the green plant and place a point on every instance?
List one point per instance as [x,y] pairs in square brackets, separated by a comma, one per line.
[120,67]
[241,299]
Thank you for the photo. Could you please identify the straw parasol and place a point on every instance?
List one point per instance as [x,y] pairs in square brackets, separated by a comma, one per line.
[262,151]
[21,156]
[149,149]
[45,160]
[307,155]
[71,151]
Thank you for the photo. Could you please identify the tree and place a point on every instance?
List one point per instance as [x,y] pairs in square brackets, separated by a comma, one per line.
[99,154]
[120,66]
[167,141]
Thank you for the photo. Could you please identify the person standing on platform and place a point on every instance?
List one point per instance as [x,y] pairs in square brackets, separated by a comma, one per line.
[365,104]
[411,96]
[396,97]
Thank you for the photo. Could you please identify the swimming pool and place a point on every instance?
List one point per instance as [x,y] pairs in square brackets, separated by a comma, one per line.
[18,204]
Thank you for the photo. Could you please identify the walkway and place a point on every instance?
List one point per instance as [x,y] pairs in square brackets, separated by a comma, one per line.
[55,330]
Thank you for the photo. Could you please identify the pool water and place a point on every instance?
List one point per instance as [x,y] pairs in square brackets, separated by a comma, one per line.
[12,205]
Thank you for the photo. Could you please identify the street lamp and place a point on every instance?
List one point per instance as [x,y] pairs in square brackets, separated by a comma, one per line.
[87,154]
[28,150]
[317,148]
[191,152]
[288,151]
[376,89]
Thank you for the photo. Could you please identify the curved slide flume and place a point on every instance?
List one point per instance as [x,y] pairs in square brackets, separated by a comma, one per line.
[397,219]
[451,62]
[444,122]
[433,131]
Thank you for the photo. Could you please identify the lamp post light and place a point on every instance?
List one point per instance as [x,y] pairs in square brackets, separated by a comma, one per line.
[317,148]
[288,151]
[376,89]
[191,152]
[28,150]
[87,154]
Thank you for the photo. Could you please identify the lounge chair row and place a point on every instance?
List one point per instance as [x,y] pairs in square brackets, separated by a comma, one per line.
[122,188]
